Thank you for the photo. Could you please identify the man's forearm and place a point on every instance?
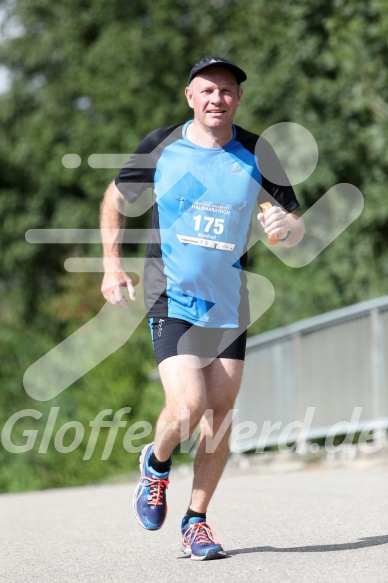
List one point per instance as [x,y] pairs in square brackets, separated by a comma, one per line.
[112,222]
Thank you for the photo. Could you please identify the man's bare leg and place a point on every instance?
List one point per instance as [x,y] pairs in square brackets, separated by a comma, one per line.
[184,383]
[223,379]
[185,392]
[190,392]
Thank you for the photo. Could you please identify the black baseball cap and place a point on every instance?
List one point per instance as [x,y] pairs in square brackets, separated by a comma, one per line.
[215,61]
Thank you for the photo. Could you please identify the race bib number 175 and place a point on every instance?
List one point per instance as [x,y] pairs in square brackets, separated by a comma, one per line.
[208,224]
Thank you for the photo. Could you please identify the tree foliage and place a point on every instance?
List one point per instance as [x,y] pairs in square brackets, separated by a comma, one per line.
[95,77]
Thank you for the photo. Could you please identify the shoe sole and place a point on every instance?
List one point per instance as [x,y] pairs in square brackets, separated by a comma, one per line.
[209,557]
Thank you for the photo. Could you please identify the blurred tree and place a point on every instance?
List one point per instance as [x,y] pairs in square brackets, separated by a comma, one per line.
[324,65]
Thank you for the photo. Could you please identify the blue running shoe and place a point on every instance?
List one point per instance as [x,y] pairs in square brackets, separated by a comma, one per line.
[149,499]
[199,541]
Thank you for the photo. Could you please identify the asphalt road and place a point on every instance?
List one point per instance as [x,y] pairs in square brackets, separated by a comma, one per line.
[315,525]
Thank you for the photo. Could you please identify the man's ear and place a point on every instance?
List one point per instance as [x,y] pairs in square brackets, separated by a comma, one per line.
[240,94]
[189,97]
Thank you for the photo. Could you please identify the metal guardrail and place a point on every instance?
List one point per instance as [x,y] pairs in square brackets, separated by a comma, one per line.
[324,375]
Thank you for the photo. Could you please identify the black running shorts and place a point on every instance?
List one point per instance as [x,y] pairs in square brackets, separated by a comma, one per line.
[172,336]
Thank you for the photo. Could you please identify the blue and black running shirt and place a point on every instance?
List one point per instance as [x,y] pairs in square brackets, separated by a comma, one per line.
[203,199]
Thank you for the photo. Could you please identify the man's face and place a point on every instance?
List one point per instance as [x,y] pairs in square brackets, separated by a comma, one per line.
[214,96]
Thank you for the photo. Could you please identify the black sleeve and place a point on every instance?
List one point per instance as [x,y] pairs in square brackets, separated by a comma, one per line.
[139,172]
[274,179]
[276,187]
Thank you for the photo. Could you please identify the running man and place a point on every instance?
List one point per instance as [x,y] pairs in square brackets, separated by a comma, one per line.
[207,176]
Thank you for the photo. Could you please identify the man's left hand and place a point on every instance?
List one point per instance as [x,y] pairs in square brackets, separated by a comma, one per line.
[274,222]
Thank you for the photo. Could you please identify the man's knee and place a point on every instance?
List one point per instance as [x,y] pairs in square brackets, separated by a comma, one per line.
[217,421]
[185,419]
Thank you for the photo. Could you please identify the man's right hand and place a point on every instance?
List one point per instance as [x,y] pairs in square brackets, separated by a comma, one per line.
[111,288]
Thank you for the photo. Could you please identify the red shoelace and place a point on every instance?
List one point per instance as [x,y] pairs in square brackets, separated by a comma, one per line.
[157,488]
[201,532]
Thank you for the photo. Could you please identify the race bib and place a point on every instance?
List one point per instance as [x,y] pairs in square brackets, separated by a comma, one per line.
[208,224]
